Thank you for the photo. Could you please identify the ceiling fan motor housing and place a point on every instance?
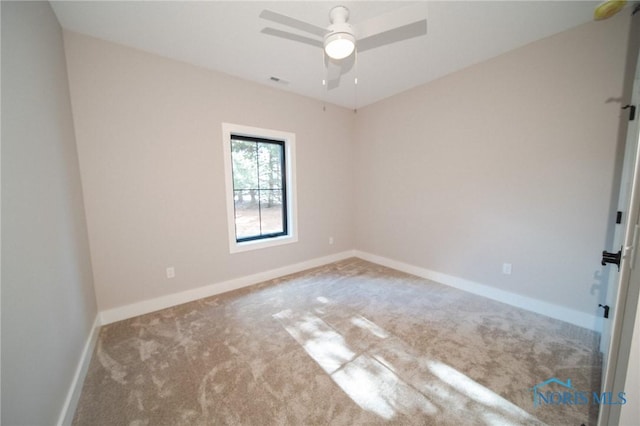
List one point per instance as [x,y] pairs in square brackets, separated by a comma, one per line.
[338,15]
[340,41]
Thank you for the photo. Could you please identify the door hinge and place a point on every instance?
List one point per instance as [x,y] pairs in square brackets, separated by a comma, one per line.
[611,258]
[606,309]
[632,111]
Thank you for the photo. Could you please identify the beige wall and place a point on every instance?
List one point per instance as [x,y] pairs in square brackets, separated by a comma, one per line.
[510,160]
[48,301]
[149,141]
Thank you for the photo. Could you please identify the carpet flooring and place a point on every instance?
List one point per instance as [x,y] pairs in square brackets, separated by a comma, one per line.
[349,343]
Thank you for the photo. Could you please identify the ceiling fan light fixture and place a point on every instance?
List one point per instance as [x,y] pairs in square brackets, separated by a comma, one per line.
[339,45]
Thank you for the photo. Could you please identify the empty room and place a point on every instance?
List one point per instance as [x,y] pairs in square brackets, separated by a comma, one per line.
[310,212]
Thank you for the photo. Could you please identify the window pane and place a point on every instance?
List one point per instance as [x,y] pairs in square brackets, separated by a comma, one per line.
[258,187]
[245,164]
[247,214]
[272,211]
[270,165]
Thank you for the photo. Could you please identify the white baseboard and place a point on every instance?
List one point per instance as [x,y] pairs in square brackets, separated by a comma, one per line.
[73,395]
[146,306]
[562,313]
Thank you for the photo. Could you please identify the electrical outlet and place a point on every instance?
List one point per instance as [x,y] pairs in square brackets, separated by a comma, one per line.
[171,272]
[330,240]
[506,268]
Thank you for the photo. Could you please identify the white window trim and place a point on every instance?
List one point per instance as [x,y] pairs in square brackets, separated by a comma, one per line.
[292,203]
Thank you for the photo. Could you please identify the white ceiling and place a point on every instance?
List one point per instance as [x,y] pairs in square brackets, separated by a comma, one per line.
[226,36]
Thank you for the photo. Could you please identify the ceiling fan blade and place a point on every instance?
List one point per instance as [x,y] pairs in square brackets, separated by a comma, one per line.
[334,81]
[392,20]
[336,69]
[291,36]
[293,22]
[405,32]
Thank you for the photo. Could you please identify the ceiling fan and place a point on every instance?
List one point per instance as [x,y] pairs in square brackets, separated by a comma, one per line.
[340,39]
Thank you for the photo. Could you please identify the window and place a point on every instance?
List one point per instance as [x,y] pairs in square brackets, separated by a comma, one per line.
[259,187]
[260,167]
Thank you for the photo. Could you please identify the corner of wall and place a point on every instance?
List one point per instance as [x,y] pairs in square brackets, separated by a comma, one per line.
[73,394]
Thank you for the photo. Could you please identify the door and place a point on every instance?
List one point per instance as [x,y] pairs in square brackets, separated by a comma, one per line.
[627,231]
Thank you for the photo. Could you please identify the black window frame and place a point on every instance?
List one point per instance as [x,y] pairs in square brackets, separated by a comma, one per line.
[283,177]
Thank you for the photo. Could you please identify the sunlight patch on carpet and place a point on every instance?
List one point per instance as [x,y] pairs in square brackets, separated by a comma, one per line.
[321,342]
[494,408]
[367,382]
[362,322]
[388,379]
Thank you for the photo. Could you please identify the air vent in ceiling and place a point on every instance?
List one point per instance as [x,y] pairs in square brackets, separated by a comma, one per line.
[278,80]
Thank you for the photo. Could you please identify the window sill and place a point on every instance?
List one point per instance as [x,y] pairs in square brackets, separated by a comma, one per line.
[236,247]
